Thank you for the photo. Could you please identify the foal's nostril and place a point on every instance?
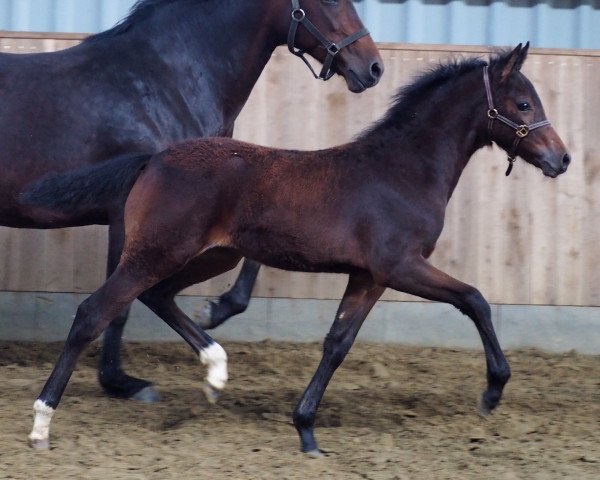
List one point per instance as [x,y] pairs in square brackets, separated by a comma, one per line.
[566,160]
[376,71]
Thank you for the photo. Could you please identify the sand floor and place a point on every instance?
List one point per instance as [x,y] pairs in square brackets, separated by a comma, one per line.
[390,412]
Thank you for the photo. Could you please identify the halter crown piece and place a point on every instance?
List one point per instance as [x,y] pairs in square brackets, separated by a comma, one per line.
[299,18]
[521,131]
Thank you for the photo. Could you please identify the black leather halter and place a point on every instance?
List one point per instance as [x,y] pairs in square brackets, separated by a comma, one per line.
[299,17]
[521,131]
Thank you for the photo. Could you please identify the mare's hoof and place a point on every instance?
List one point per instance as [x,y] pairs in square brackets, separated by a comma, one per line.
[147,395]
[39,444]
[211,393]
[483,408]
[316,453]
[204,316]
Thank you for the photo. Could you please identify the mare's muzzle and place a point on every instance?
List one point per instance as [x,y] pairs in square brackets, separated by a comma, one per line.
[299,18]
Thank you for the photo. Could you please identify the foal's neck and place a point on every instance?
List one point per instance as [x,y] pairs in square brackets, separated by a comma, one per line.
[447,128]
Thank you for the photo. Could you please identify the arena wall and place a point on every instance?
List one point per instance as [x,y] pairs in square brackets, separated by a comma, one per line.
[529,243]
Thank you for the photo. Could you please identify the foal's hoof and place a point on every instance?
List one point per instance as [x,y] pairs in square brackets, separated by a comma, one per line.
[483,409]
[211,393]
[204,316]
[316,453]
[39,444]
[147,395]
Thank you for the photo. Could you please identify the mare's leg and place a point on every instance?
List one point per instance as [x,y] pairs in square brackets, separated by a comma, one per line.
[232,302]
[422,279]
[113,379]
[360,296]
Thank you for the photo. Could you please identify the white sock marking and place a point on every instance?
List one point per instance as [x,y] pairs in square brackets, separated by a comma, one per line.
[216,359]
[41,421]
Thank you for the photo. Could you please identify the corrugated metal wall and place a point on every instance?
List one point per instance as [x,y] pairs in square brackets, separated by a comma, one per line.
[525,239]
[549,23]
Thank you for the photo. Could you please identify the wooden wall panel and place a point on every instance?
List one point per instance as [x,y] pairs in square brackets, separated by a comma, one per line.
[525,239]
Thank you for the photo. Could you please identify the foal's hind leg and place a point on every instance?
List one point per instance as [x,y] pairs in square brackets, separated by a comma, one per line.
[234,301]
[161,300]
[93,315]
[360,296]
[424,280]
[113,379]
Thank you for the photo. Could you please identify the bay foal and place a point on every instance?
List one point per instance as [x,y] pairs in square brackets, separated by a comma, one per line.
[372,209]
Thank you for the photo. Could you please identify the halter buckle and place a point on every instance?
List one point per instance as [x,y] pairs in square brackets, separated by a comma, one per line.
[522,131]
[333,49]
[492,113]
[300,12]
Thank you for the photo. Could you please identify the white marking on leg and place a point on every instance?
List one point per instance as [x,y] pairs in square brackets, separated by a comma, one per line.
[41,422]
[216,359]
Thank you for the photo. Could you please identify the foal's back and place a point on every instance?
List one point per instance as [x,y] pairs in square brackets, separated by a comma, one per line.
[269,204]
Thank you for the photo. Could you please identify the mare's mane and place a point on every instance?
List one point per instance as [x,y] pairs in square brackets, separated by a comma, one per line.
[409,98]
[140,11]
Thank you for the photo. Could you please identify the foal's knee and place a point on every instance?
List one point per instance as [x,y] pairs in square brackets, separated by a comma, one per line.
[336,348]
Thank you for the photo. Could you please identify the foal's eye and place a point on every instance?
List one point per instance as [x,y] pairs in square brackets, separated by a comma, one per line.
[523,106]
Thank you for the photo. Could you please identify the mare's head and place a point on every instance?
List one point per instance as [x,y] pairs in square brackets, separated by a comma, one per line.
[331,32]
[517,122]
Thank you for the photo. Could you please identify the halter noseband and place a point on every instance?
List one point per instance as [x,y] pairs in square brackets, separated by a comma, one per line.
[299,17]
[521,131]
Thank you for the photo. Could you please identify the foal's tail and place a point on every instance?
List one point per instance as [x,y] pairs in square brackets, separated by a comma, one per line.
[97,188]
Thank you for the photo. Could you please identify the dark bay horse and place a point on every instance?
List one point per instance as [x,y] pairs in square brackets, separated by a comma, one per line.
[373,209]
[172,70]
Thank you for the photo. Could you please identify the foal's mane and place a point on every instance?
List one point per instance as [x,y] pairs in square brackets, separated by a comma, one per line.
[140,11]
[408,99]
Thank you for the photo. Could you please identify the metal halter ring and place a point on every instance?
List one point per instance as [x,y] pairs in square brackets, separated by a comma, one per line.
[522,131]
[492,113]
[301,12]
[333,49]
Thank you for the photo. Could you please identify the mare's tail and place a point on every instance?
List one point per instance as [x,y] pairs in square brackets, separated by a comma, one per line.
[99,187]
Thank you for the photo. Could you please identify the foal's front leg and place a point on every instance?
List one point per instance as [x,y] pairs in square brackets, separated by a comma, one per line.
[360,296]
[421,279]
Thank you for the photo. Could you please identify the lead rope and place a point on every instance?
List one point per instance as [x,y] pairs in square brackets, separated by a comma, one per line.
[521,131]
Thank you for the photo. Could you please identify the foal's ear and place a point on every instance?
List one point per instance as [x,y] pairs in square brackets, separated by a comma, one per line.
[514,61]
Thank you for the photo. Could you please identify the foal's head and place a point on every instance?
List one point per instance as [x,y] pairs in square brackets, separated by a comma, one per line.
[338,39]
[514,100]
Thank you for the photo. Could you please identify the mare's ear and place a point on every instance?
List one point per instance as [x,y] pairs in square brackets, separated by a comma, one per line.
[513,61]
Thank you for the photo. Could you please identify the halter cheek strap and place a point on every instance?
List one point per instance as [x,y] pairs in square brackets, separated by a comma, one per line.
[521,131]
[299,18]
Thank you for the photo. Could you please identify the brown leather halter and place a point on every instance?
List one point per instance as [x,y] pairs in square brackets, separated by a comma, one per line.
[521,131]
[299,18]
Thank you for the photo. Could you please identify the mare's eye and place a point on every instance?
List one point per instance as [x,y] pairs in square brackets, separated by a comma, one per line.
[330,2]
[523,106]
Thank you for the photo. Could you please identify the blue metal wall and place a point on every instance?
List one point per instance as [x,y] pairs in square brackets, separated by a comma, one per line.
[546,23]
